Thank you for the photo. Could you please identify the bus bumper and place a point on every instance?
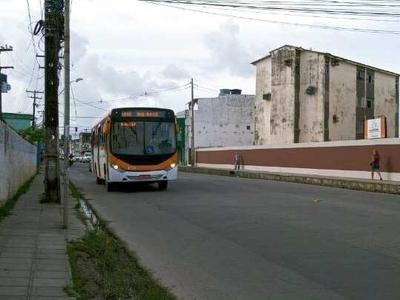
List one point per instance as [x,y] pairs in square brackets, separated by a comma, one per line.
[149,176]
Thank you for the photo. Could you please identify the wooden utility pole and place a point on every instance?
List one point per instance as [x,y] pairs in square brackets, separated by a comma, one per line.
[3,49]
[53,34]
[34,97]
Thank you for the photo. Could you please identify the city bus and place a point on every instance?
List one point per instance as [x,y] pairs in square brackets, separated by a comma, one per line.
[135,144]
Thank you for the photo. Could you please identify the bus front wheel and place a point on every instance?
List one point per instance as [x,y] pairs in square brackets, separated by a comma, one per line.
[110,186]
[162,185]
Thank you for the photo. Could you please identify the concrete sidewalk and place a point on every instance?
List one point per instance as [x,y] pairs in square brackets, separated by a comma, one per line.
[379,186]
[33,247]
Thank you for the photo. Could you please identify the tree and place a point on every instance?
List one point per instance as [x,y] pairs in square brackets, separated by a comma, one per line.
[32,135]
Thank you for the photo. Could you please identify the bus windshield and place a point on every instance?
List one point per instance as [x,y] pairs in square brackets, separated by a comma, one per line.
[143,138]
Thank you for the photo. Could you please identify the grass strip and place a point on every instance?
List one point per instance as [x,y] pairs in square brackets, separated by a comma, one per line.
[7,207]
[102,268]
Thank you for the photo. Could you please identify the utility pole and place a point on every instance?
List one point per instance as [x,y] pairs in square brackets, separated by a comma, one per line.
[192,125]
[3,49]
[34,97]
[66,110]
[53,34]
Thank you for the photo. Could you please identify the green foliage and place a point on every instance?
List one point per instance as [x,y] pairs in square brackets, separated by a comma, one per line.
[32,135]
[115,272]
[102,268]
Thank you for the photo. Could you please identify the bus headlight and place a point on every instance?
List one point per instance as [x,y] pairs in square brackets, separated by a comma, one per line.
[117,168]
[171,167]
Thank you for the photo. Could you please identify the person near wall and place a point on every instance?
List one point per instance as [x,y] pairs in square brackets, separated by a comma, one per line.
[374,163]
[236,161]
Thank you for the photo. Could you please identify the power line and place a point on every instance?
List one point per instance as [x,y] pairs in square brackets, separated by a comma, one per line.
[338,28]
[374,8]
[205,88]
[145,94]
[237,5]
[304,14]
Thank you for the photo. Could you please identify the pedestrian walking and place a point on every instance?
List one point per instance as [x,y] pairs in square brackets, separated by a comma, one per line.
[374,163]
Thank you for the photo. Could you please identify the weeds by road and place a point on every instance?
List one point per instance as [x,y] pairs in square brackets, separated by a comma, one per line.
[102,268]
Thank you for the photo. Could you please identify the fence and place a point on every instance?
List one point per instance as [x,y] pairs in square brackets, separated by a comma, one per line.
[337,159]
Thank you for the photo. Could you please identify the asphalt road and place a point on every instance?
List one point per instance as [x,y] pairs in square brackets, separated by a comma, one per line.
[211,237]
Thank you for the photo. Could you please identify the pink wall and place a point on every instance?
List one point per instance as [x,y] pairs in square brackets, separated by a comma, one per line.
[349,156]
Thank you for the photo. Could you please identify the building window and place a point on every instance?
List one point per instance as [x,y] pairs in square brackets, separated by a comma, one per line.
[370,78]
[248,127]
[369,102]
[297,69]
[360,75]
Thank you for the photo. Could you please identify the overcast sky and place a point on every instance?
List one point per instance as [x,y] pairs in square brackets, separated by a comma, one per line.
[129,53]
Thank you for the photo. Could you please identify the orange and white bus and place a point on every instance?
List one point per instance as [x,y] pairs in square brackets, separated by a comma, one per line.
[135,144]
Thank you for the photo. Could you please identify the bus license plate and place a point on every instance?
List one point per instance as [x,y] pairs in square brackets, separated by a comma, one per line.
[144,177]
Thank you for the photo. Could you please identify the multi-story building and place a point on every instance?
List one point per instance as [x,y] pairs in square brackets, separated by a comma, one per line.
[226,120]
[309,96]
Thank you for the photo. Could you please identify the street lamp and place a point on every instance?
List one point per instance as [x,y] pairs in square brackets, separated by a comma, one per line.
[72,81]
[66,133]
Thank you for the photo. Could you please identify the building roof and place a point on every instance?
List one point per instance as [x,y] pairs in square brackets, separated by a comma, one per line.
[17,116]
[181,114]
[338,58]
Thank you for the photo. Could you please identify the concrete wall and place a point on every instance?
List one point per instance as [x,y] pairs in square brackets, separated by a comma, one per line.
[311,123]
[342,102]
[17,161]
[223,121]
[334,159]
[262,106]
[283,96]
[385,101]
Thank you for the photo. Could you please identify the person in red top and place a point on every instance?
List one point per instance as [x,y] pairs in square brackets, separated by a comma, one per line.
[374,163]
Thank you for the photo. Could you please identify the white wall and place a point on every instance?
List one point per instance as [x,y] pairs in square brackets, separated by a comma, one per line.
[385,100]
[263,107]
[223,121]
[283,95]
[17,162]
[312,73]
[342,101]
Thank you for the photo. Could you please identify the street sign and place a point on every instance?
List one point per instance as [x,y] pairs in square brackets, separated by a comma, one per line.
[5,87]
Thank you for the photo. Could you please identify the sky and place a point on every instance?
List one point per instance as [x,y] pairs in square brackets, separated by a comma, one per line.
[136,53]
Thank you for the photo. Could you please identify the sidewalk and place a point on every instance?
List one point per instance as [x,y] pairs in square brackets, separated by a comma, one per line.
[380,186]
[33,253]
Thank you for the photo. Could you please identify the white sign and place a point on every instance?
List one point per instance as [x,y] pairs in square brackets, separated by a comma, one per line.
[374,129]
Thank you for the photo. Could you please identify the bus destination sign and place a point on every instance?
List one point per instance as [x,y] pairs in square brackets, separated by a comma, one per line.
[148,114]
[143,114]
[136,113]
